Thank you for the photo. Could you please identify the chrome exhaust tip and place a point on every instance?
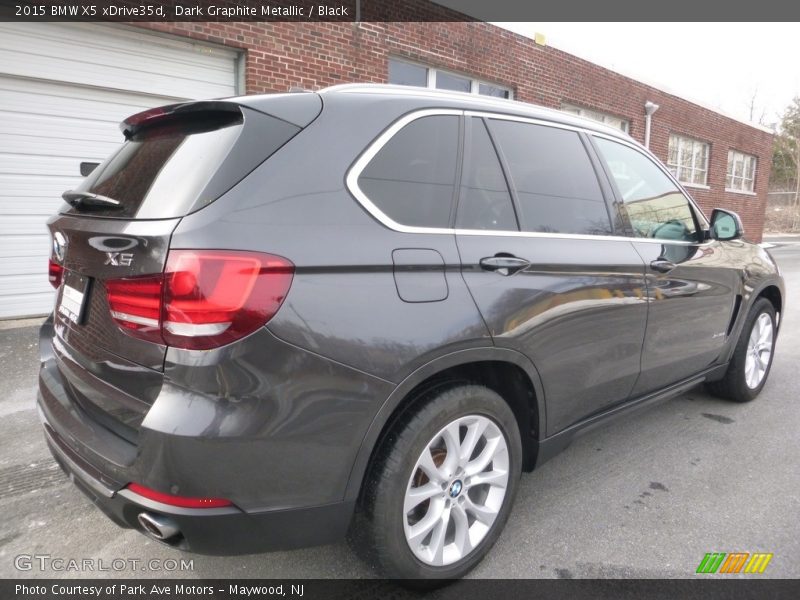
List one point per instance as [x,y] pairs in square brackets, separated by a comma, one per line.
[157,526]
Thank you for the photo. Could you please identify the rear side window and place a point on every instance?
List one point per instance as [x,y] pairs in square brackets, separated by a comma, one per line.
[185,162]
[485,202]
[556,186]
[412,177]
[655,206]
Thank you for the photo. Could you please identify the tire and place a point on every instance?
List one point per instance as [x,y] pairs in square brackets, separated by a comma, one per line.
[741,383]
[414,456]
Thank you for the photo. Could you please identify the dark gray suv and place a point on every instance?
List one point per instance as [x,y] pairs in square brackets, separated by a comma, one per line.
[282,318]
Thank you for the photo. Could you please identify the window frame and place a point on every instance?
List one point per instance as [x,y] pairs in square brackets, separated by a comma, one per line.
[693,168]
[576,109]
[467,149]
[732,152]
[431,72]
[352,175]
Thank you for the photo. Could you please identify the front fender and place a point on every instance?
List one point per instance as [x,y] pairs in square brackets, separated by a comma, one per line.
[753,288]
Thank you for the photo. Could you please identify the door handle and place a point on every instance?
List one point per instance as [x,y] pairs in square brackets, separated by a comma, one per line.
[662,266]
[503,265]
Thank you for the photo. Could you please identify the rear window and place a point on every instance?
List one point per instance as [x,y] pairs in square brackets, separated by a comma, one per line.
[183,163]
[556,185]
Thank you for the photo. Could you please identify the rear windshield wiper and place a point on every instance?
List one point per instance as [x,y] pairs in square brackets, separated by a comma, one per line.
[82,200]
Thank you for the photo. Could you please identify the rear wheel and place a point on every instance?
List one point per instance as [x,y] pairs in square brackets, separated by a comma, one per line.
[752,358]
[442,485]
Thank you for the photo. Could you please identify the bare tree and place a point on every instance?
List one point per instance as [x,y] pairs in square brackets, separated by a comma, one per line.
[757,114]
[786,159]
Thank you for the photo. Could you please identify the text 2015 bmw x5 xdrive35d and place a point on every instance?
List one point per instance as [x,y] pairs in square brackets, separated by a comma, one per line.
[280,318]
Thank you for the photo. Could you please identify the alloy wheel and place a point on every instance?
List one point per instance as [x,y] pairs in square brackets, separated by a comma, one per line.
[759,351]
[456,490]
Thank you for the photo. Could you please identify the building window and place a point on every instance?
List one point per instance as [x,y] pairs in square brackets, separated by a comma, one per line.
[688,160]
[596,115]
[487,89]
[405,73]
[741,172]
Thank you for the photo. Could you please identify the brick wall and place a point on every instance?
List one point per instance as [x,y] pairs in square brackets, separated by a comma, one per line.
[315,55]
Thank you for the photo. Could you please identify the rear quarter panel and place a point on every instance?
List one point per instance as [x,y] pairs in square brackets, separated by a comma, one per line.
[343,303]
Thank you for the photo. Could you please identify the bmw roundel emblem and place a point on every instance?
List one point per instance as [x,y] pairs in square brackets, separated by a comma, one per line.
[59,245]
[455,488]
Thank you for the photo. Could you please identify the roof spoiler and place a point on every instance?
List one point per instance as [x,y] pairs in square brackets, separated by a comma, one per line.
[137,122]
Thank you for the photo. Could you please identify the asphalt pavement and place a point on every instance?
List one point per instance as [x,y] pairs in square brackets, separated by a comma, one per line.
[647,496]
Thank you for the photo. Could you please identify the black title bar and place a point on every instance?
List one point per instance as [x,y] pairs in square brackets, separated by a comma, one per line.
[705,587]
[393,10]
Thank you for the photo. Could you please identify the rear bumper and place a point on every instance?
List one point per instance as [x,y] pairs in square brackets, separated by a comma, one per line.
[279,442]
[216,531]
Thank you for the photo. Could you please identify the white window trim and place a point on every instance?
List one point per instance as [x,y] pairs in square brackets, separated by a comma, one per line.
[696,186]
[431,81]
[474,86]
[728,173]
[581,112]
[742,192]
[351,181]
[693,167]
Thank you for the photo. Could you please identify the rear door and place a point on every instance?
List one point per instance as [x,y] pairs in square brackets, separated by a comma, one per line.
[691,285]
[533,231]
[114,236]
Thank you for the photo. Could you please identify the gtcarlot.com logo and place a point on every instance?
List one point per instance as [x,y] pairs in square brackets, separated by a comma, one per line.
[734,562]
[46,563]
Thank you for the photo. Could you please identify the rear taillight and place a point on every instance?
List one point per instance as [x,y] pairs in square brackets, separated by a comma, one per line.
[214,297]
[204,298]
[135,305]
[55,272]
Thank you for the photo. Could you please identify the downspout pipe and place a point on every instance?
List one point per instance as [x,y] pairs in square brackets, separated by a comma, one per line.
[649,109]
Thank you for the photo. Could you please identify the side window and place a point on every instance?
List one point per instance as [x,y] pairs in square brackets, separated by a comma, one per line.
[485,202]
[412,178]
[555,182]
[655,205]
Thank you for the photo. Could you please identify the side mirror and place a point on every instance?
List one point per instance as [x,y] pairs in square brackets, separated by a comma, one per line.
[88,167]
[725,225]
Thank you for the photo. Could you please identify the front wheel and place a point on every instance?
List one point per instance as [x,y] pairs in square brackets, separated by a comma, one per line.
[752,358]
[442,485]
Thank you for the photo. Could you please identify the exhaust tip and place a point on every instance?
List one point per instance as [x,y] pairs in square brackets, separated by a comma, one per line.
[157,526]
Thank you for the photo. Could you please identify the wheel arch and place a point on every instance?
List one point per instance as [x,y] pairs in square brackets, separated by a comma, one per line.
[772,292]
[770,288]
[476,365]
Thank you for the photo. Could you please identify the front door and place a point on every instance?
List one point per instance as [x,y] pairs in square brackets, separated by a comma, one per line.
[690,285]
[532,232]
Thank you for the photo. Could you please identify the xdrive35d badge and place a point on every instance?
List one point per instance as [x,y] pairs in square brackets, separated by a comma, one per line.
[369,310]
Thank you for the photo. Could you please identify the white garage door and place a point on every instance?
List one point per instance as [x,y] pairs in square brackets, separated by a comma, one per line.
[64,88]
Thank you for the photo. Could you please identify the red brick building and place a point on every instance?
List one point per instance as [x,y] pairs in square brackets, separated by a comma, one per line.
[315,55]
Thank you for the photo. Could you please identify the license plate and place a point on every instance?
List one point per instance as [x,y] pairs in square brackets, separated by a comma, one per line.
[73,297]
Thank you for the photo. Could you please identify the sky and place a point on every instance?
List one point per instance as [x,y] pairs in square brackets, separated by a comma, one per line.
[720,65]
